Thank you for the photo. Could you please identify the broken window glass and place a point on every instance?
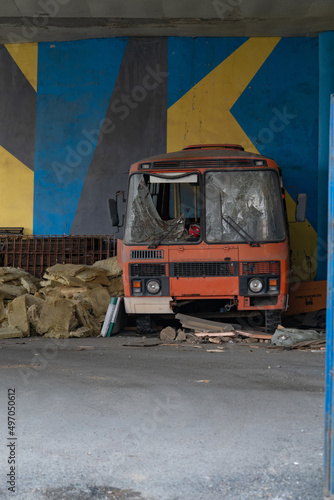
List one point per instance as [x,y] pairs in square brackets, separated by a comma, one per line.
[162,207]
[243,206]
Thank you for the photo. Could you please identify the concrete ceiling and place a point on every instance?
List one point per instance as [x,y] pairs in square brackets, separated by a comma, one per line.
[58,20]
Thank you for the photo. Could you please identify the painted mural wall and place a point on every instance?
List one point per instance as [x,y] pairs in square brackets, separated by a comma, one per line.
[75,115]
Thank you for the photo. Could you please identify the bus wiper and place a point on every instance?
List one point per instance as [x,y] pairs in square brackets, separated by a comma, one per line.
[238,229]
[178,221]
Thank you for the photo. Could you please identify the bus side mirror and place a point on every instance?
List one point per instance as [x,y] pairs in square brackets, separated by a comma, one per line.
[113,212]
[301,207]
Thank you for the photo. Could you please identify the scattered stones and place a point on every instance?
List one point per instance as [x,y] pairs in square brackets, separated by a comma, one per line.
[168,334]
[181,335]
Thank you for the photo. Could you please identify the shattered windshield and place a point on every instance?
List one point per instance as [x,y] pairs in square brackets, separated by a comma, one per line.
[243,206]
[163,208]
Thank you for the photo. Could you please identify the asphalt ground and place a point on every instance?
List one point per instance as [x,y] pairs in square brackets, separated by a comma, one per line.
[127,419]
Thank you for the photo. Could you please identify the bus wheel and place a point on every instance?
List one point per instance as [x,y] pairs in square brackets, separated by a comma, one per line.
[145,324]
[273,319]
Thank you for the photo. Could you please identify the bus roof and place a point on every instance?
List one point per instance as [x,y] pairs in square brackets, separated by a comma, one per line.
[203,153]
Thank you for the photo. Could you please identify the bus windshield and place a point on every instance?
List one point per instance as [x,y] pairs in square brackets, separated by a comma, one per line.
[243,206]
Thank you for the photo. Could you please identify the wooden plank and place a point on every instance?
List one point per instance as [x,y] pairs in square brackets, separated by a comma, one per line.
[214,334]
[264,336]
[309,343]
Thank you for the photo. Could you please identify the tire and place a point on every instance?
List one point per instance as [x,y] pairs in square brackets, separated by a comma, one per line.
[272,320]
[145,324]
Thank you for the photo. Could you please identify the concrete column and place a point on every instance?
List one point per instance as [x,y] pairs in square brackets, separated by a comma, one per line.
[326,88]
[329,400]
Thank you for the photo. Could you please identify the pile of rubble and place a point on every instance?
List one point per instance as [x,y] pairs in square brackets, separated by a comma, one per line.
[205,331]
[70,301]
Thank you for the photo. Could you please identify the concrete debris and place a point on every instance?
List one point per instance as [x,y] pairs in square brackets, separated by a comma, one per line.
[17,315]
[57,319]
[181,335]
[10,332]
[97,300]
[215,340]
[86,319]
[72,292]
[71,300]
[287,337]
[116,287]
[28,284]
[168,334]
[203,325]
[81,332]
[110,266]
[2,309]
[50,283]
[15,273]
[11,291]
[77,275]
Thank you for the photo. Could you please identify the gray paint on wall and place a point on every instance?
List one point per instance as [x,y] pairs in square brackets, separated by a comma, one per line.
[18,111]
[135,127]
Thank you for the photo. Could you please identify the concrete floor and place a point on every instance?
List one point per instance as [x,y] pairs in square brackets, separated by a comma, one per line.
[121,422]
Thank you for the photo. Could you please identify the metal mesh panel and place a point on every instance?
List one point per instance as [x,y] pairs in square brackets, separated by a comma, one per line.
[35,253]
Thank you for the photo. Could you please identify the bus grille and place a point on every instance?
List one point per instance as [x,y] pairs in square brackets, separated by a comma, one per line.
[250,268]
[146,270]
[201,269]
[147,254]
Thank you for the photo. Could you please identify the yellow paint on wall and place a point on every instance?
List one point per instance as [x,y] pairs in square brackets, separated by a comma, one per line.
[303,243]
[25,55]
[203,114]
[17,193]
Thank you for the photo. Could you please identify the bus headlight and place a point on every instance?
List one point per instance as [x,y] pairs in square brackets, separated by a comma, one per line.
[255,285]
[153,287]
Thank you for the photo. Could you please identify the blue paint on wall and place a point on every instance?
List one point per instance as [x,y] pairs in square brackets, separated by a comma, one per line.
[75,83]
[326,88]
[192,59]
[279,112]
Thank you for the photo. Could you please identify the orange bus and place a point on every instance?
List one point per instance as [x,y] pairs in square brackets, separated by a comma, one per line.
[205,233]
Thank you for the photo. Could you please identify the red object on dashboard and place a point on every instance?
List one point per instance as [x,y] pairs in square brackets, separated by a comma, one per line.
[195,230]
